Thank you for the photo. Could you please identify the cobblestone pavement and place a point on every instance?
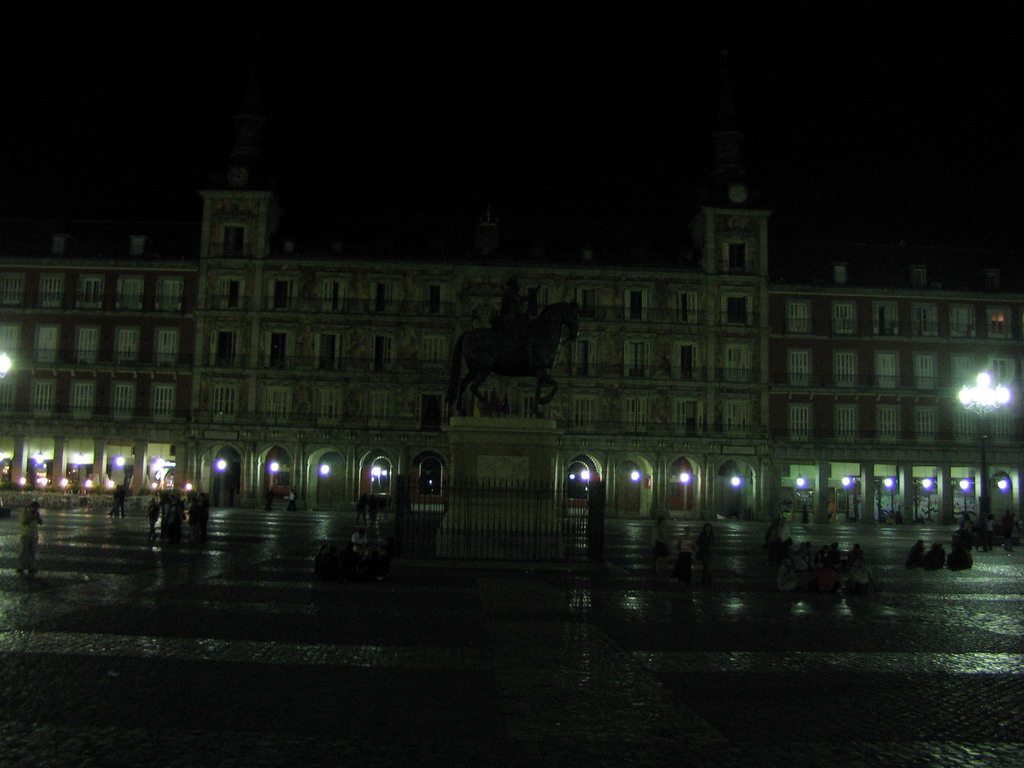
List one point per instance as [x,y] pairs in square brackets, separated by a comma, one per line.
[121,653]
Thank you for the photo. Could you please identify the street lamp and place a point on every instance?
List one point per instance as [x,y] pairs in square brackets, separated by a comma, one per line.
[5,364]
[983,399]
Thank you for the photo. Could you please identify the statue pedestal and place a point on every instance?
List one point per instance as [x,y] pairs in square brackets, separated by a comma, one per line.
[501,494]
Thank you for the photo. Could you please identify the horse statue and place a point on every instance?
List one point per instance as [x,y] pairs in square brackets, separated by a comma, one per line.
[508,350]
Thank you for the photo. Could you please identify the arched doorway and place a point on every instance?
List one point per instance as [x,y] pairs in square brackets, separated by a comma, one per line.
[580,473]
[329,492]
[680,486]
[429,480]
[735,486]
[227,478]
[277,475]
[632,488]
[375,477]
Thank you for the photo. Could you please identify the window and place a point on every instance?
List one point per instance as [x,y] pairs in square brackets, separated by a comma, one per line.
[229,293]
[83,399]
[636,304]
[634,413]
[844,366]
[43,396]
[1002,370]
[278,350]
[430,411]
[924,423]
[886,372]
[434,350]
[278,401]
[51,291]
[7,390]
[839,273]
[635,357]
[280,294]
[528,406]
[846,421]
[332,295]
[686,307]
[963,371]
[381,353]
[382,407]
[129,293]
[126,345]
[998,325]
[586,298]
[961,320]
[10,335]
[924,320]
[885,318]
[122,400]
[736,257]
[1001,424]
[330,405]
[919,277]
[800,421]
[737,363]
[924,371]
[90,292]
[234,240]
[584,410]
[685,415]
[686,362]
[887,422]
[798,317]
[736,417]
[433,302]
[46,343]
[12,290]
[87,344]
[582,358]
[166,346]
[169,292]
[799,364]
[225,399]
[736,310]
[844,318]
[329,352]
[965,423]
[380,297]
[162,400]
[224,353]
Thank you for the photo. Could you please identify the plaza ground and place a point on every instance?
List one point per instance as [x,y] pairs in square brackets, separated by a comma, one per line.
[122,653]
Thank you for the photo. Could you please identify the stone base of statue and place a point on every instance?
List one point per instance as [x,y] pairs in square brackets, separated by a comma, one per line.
[502,501]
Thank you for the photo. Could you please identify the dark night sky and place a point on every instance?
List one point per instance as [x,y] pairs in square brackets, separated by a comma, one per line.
[872,127]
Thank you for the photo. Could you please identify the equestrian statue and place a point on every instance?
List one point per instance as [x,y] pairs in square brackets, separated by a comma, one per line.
[515,346]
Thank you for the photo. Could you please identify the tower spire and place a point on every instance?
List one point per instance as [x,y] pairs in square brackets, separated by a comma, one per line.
[246,170]
[728,179]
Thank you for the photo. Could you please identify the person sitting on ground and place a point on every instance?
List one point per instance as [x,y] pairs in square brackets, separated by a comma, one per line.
[825,577]
[802,559]
[855,554]
[835,557]
[935,559]
[326,566]
[349,563]
[860,578]
[959,559]
[359,537]
[915,557]
[683,568]
[786,580]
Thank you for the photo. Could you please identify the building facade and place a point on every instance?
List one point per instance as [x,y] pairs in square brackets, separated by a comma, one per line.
[228,357]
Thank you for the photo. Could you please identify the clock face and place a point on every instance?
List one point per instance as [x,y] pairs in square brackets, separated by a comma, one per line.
[738,193]
[238,176]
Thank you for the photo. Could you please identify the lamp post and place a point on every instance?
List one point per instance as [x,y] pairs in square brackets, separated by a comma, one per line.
[5,364]
[983,399]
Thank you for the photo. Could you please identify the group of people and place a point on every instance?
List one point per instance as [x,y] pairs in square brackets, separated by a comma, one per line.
[359,560]
[167,515]
[828,569]
[688,548]
[935,558]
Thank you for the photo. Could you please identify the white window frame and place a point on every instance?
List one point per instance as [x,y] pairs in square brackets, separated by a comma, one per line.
[122,400]
[130,290]
[170,292]
[962,322]
[90,292]
[47,343]
[51,291]
[584,411]
[925,376]
[44,397]
[127,342]
[166,342]
[844,368]
[798,365]
[887,422]
[799,421]
[887,370]
[844,318]
[846,421]
[163,400]
[798,316]
[83,399]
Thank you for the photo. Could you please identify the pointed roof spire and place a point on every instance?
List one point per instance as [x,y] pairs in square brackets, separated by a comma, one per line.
[246,166]
[728,179]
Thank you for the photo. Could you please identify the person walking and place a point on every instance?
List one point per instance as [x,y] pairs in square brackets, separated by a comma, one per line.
[705,544]
[30,522]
